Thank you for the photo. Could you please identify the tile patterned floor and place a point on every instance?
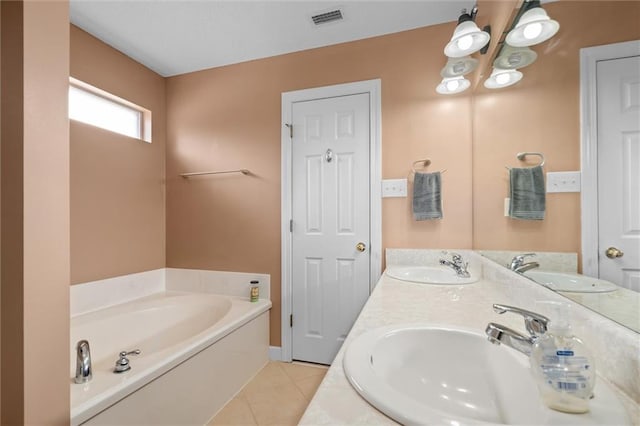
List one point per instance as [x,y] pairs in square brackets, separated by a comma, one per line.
[277,395]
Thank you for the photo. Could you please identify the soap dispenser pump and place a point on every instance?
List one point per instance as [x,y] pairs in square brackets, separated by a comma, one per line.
[562,366]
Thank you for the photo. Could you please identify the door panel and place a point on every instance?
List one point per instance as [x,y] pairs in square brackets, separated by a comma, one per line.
[618,91]
[330,212]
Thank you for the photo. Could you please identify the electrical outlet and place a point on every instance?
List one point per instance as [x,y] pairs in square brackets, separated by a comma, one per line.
[394,188]
[563,182]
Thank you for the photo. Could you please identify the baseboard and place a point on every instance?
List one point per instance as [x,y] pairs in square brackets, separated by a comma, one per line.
[275,353]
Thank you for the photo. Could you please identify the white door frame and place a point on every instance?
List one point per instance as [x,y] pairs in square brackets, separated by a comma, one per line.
[589,58]
[373,88]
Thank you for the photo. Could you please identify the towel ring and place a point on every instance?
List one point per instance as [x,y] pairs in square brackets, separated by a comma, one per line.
[522,155]
[426,162]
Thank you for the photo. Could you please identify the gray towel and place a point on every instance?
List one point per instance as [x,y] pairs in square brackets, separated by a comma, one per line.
[427,196]
[527,192]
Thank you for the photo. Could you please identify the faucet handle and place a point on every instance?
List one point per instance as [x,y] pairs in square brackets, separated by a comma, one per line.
[518,260]
[535,324]
[122,364]
[523,256]
[123,354]
[455,257]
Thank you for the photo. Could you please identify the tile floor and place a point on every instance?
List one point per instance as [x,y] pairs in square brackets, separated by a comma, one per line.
[277,395]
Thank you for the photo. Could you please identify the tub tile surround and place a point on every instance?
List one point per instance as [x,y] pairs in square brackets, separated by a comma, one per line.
[94,295]
[219,282]
[615,348]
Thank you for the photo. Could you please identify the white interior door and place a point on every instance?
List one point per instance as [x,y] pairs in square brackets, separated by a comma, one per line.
[330,229]
[618,94]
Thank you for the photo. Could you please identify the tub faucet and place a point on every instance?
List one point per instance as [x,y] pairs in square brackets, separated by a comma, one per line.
[535,324]
[518,264]
[83,362]
[458,264]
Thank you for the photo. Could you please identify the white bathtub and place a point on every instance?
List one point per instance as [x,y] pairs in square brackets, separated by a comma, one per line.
[173,330]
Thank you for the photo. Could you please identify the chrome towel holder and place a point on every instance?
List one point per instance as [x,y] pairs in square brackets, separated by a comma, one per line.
[522,155]
[243,171]
[425,163]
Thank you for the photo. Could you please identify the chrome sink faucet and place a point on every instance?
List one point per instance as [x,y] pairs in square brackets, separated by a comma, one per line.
[518,264]
[83,362]
[457,263]
[535,324]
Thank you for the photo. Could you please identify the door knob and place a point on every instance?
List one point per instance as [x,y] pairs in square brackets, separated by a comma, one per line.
[361,247]
[613,253]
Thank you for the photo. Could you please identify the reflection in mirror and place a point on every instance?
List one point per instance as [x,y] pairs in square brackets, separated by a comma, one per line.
[541,113]
[558,272]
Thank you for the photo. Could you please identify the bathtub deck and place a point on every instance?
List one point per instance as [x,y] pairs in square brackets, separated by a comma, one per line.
[278,394]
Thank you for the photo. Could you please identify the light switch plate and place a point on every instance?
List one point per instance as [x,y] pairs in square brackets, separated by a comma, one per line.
[394,188]
[563,182]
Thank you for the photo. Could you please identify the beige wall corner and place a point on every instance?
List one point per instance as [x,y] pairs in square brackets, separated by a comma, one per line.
[117,182]
[35,213]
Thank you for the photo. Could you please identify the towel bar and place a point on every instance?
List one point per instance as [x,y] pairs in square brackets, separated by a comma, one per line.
[243,171]
[425,162]
[522,155]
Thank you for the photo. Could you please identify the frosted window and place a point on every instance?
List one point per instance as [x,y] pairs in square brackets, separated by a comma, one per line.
[105,113]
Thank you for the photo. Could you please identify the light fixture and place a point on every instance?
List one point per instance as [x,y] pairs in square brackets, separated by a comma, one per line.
[453,85]
[502,78]
[456,67]
[467,37]
[533,27]
[511,57]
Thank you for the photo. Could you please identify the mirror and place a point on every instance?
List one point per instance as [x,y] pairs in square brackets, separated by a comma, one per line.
[542,114]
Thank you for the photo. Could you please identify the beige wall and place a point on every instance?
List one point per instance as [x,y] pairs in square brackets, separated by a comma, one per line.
[117,182]
[541,113]
[229,117]
[35,213]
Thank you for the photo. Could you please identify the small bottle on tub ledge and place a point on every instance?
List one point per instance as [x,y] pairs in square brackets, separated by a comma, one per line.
[255,291]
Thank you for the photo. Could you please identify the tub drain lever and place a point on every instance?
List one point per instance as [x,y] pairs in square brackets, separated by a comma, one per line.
[122,364]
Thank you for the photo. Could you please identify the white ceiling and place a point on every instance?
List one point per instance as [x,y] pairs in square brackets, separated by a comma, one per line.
[178,36]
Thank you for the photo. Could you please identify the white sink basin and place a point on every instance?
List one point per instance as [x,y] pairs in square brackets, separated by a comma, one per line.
[419,374]
[428,275]
[561,281]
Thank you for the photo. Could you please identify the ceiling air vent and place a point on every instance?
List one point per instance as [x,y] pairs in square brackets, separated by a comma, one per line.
[323,18]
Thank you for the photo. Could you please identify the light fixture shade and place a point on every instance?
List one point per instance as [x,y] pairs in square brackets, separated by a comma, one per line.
[467,39]
[457,67]
[533,27]
[502,78]
[511,57]
[451,86]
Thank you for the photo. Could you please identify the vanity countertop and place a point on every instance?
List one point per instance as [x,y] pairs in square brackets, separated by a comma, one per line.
[468,306]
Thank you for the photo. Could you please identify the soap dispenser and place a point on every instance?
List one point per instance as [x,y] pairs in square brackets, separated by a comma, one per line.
[562,366]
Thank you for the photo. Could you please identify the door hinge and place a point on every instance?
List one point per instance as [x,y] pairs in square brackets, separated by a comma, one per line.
[290,225]
[291,320]
[290,126]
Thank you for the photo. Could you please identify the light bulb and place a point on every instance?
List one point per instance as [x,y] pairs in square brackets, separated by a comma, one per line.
[503,78]
[465,42]
[452,85]
[531,31]
[515,59]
